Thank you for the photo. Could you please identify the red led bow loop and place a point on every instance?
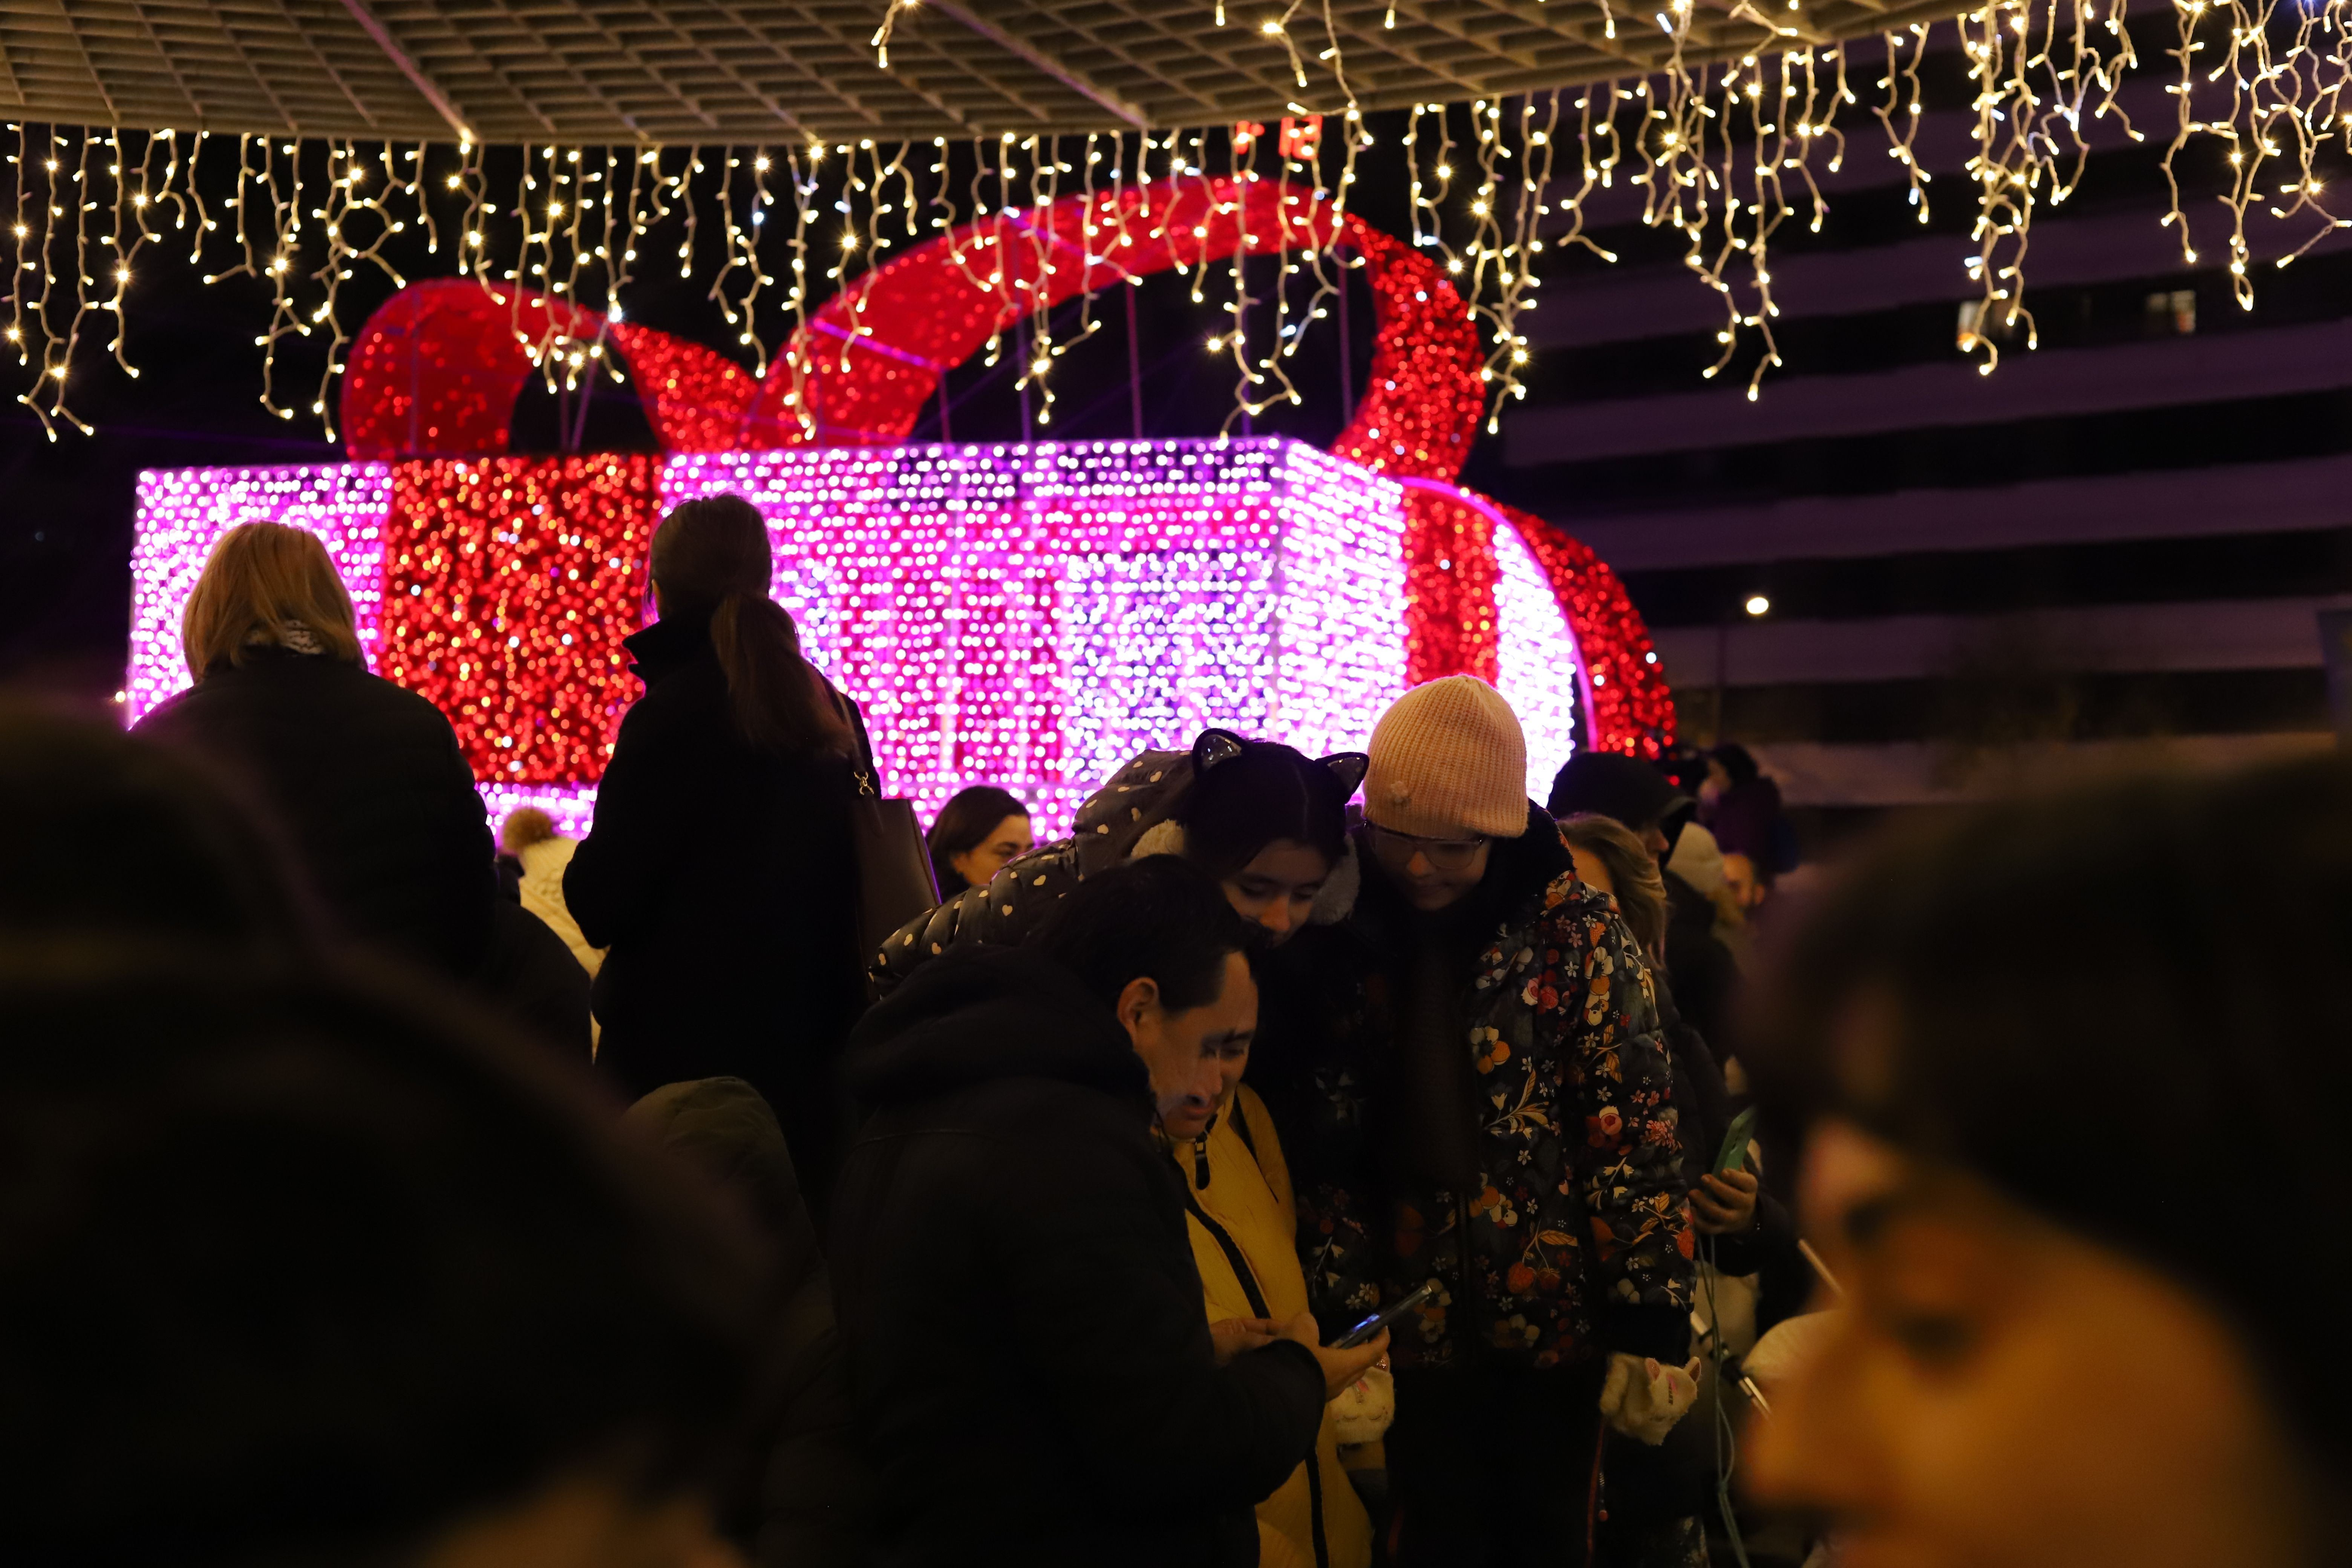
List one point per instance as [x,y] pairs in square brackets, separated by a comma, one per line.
[435,371]
[871,358]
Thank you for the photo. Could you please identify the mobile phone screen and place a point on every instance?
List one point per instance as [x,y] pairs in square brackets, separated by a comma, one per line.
[1372,1325]
[1734,1153]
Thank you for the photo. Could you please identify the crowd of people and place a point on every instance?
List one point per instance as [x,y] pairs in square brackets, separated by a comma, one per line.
[1307,1160]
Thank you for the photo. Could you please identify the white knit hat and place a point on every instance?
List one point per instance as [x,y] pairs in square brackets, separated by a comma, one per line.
[1448,759]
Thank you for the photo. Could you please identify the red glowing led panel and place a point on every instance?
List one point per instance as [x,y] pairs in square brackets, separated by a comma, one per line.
[508,586]
[1628,706]
[1449,564]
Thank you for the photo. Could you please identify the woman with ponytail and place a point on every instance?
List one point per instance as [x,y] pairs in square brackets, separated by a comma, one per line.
[718,870]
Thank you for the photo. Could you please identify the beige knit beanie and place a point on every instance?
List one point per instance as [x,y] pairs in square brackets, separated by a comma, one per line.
[1448,759]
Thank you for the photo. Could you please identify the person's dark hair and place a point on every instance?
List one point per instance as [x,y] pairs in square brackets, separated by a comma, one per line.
[1247,793]
[1612,784]
[294,1269]
[711,559]
[1682,766]
[2048,995]
[962,825]
[103,832]
[1159,918]
[1737,761]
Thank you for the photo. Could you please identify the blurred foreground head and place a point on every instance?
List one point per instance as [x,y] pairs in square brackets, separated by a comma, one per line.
[102,835]
[2079,1157]
[295,1273]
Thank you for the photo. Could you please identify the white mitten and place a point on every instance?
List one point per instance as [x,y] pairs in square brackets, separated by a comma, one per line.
[1365,1408]
[1643,1398]
[1789,1351]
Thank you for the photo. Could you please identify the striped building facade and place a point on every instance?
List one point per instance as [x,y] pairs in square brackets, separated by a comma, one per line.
[2118,543]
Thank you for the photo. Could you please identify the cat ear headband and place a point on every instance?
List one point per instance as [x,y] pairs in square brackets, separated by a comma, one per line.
[1216,747]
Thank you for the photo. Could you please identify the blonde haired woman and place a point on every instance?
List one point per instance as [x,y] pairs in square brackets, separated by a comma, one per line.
[364,780]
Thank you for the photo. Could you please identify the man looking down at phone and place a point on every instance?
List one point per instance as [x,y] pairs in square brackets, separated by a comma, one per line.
[1244,1232]
[1478,1093]
[1035,1377]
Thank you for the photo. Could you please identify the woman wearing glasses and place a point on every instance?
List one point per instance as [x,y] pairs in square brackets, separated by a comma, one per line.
[1475,1092]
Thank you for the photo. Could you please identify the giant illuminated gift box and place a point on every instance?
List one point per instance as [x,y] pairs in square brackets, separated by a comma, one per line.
[1029,615]
[1022,615]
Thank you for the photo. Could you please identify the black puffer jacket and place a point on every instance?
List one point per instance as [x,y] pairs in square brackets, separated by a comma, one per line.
[1034,1377]
[803,1491]
[721,878]
[1138,798]
[365,781]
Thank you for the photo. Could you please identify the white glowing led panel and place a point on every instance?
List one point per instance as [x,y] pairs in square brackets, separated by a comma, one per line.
[1034,615]
[183,510]
[1538,669]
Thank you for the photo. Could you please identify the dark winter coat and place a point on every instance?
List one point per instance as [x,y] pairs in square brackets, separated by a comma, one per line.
[1138,798]
[365,782]
[1034,1377]
[801,1494]
[1704,1111]
[1706,973]
[1571,1235]
[722,879]
[530,976]
[1650,1487]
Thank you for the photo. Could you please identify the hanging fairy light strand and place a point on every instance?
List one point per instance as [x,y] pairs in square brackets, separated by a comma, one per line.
[2275,109]
[1722,146]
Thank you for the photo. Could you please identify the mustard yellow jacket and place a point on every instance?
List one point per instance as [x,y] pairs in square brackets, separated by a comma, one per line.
[1241,1220]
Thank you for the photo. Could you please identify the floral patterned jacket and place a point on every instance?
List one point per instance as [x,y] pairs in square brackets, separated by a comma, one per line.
[1575,1236]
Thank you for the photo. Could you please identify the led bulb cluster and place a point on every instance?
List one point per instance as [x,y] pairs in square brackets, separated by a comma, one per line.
[1033,615]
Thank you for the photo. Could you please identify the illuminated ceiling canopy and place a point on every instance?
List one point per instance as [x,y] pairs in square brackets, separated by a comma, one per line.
[688,72]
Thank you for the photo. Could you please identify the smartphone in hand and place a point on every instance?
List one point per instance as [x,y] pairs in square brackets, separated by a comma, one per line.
[1733,1156]
[1383,1318]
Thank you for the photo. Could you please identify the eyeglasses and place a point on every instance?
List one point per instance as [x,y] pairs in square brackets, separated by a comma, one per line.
[1444,853]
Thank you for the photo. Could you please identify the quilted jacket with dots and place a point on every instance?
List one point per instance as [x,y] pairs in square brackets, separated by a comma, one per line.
[1139,797]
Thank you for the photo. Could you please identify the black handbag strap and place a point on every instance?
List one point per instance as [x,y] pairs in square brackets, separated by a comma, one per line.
[1233,1251]
[861,766]
[1242,1127]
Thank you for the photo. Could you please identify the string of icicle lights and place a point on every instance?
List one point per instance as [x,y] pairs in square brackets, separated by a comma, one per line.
[1722,153]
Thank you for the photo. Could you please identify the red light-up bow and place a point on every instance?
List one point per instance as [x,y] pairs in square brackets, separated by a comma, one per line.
[436,370]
